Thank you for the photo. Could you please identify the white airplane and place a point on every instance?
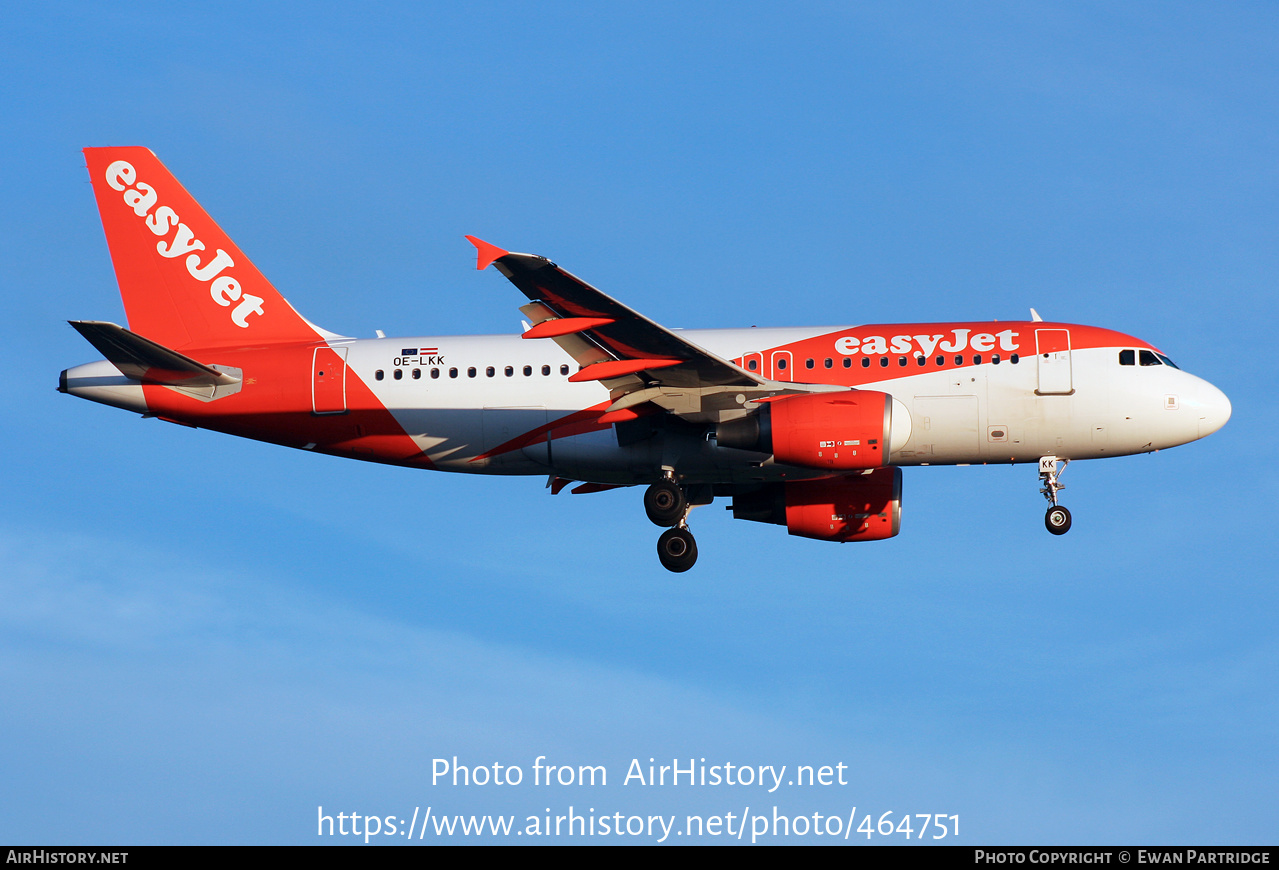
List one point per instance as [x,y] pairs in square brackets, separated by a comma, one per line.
[802,427]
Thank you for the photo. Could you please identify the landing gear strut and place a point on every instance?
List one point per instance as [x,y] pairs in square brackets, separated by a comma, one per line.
[667,505]
[1057,520]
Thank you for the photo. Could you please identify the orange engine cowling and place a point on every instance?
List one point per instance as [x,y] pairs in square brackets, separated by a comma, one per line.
[840,431]
[851,507]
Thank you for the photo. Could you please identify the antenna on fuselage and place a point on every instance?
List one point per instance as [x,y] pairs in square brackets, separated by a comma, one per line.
[1034,316]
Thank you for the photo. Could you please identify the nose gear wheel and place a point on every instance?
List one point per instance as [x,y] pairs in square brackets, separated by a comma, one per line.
[1057,520]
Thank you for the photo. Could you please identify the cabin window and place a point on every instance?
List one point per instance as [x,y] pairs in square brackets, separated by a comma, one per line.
[470,371]
[435,373]
[883,362]
[921,361]
[564,370]
[994,359]
[528,371]
[959,360]
[865,362]
[417,374]
[752,364]
[379,374]
[808,363]
[399,374]
[510,370]
[848,362]
[781,364]
[452,372]
[941,360]
[901,360]
[546,370]
[976,359]
[830,363]
[1014,359]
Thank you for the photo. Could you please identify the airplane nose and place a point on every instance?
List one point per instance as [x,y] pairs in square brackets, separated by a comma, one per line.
[1214,409]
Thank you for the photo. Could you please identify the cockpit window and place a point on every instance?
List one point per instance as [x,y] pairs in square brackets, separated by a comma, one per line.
[1148,358]
[1167,361]
[1127,357]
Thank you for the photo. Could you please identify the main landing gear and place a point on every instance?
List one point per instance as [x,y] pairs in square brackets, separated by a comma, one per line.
[1057,520]
[677,549]
[666,504]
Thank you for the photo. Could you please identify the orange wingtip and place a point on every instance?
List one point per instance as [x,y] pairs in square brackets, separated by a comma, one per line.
[486,253]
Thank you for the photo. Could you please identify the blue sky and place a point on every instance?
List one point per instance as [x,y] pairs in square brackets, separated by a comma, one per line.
[203,639]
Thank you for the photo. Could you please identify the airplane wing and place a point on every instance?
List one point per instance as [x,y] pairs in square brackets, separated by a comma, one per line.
[619,332]
[636,359]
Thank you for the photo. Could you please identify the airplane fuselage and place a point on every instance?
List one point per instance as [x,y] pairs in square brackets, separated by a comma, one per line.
[501,405]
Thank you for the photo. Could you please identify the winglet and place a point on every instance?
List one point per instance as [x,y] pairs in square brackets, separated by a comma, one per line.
[487,253]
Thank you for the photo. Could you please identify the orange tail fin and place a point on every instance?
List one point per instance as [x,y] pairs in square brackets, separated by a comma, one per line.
[185,284]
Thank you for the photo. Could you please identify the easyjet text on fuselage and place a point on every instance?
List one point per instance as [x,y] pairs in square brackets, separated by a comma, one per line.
[957,341]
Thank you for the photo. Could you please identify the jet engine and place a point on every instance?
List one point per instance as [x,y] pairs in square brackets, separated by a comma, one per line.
[852,429]
[851,507]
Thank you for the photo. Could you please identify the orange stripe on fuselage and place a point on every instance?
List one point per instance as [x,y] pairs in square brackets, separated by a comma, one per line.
[577,423]
[274,405]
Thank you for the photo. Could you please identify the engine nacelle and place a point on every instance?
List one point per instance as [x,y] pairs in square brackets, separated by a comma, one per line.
[844,431]
[851,507]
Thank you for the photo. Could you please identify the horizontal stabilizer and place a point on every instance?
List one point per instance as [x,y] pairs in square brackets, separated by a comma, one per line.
[143,360]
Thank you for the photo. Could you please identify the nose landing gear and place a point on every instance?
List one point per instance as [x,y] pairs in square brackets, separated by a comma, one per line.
[1057,520]
[667,505]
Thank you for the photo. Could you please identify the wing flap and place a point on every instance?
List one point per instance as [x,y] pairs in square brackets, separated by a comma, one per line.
[610,369]
[554,326]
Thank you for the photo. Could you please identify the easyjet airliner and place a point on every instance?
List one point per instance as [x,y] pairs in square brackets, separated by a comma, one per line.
[807,428]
